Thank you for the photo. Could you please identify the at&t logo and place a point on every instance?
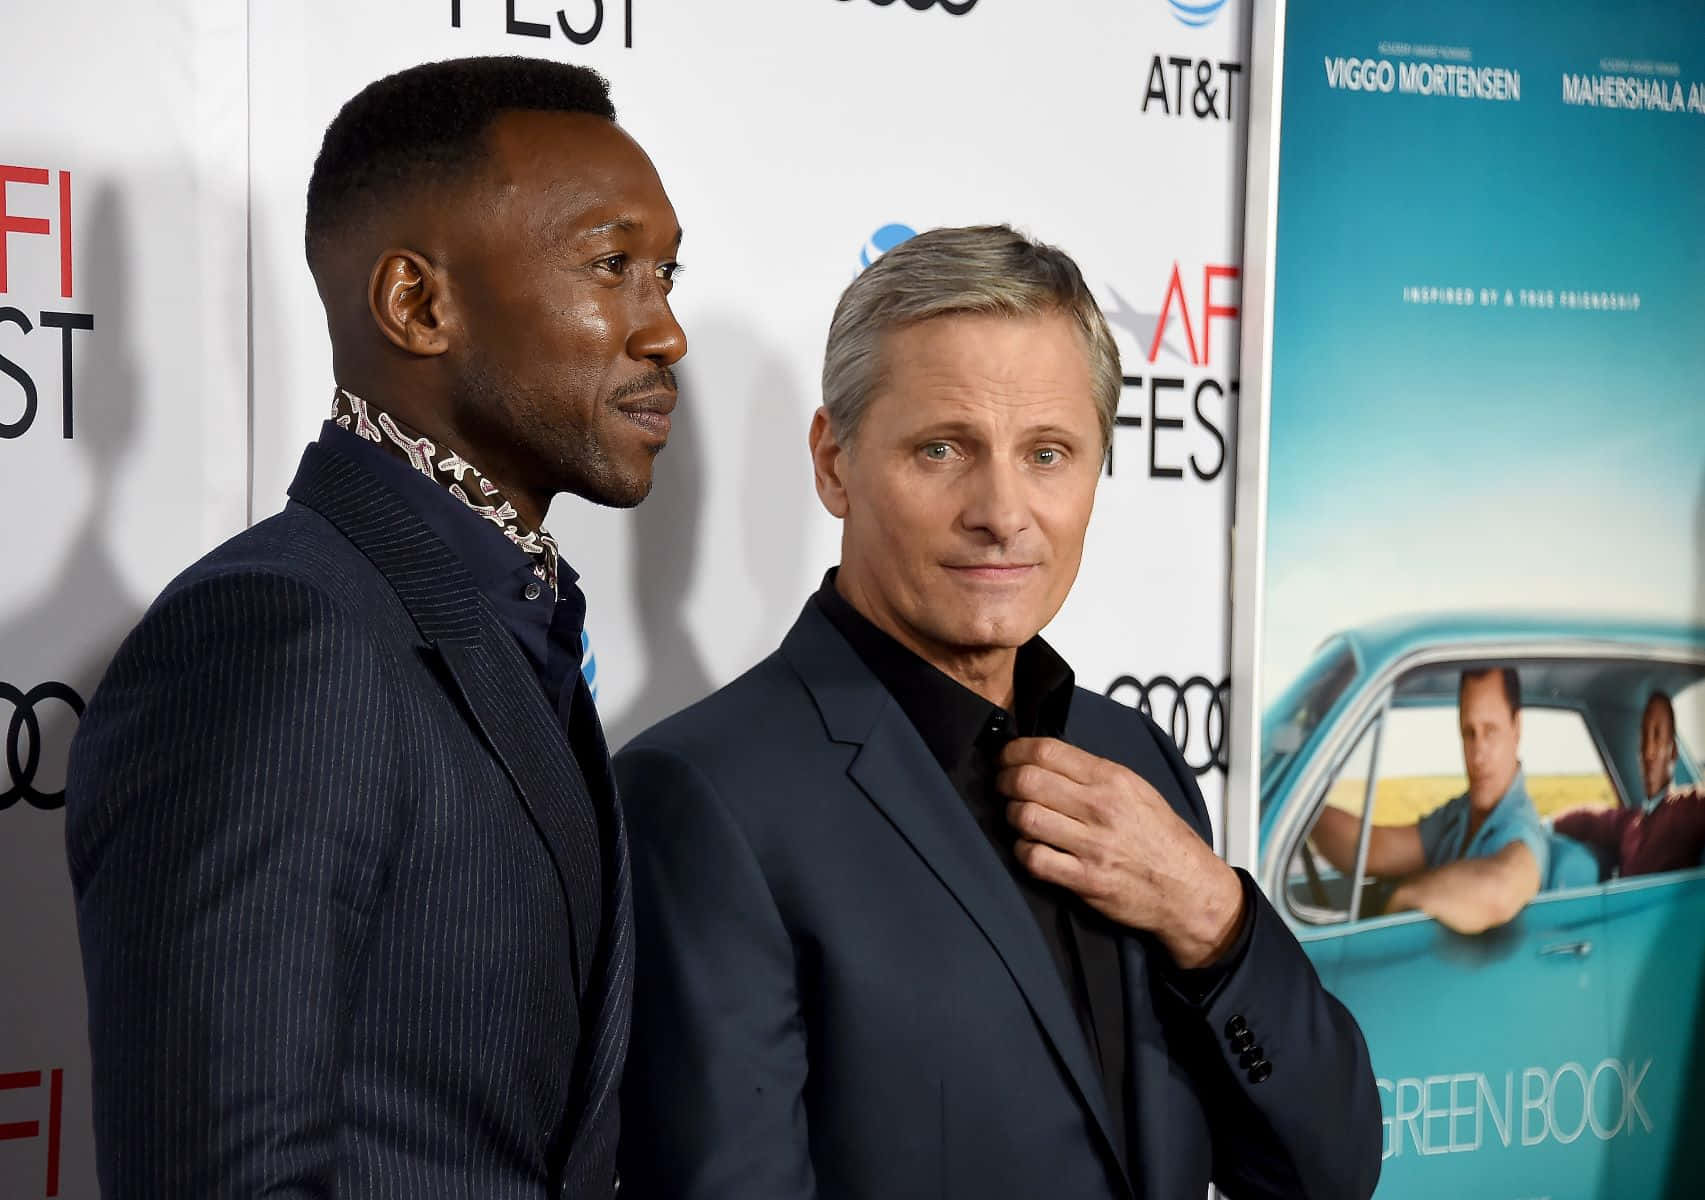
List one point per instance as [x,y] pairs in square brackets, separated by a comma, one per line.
[1196,15]
[956,8]
[884,240]
[24,741]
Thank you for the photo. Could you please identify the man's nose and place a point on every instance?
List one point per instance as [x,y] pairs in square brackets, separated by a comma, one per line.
[657,335]
[997,501]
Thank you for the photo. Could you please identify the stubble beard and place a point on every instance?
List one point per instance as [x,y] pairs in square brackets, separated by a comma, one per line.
[546,453]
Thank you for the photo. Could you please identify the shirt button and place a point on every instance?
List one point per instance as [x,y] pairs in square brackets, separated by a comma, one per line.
[531,591]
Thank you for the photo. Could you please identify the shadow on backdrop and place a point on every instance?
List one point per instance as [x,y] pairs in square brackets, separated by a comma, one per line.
[734,380]
[78,618]
[67,631]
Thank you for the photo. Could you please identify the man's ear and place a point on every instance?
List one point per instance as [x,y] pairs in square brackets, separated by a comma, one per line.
[828,457]
[409,299]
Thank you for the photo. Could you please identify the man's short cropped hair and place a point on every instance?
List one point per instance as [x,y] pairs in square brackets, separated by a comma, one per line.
[1512,684]
[428,122]
[979,270]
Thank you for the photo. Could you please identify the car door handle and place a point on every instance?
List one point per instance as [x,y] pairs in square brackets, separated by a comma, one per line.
[1572,949]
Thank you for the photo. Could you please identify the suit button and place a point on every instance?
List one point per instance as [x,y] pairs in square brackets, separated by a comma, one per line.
[616,1183]
[1235,1026]
[1260,1071]
[1249,1058]
[1245,1038]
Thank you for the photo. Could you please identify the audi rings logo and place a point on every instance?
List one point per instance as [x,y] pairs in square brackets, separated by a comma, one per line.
[1193,711]
[24,741]
[955,8]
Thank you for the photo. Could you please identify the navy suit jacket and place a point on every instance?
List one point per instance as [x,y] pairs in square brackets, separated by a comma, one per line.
[841,992]
[333,860]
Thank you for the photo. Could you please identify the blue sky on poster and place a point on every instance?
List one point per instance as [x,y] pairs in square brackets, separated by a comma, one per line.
[1440,457]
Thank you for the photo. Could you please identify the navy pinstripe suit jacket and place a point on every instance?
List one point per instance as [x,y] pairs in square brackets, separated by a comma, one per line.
[333,858]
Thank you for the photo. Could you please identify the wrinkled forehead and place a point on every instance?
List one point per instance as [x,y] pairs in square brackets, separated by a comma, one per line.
[978,367]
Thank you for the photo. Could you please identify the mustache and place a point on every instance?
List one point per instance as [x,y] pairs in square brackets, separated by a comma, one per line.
[660,380]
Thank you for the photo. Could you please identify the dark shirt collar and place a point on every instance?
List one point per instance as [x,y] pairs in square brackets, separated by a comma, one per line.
[950,717]
[549,629]
[454,475]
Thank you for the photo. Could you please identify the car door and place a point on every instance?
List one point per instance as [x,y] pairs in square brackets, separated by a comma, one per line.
[1478,1042]
[1655,933]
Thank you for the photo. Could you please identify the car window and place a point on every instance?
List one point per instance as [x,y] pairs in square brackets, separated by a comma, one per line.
[1419,768]
[1689,732]
[1421,763]
[1317,891]
[1293,718]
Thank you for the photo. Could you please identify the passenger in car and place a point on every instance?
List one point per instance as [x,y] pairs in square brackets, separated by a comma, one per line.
[1476,860]
[1667,833]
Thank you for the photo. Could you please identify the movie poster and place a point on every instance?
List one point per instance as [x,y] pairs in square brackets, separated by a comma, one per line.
[1474,556]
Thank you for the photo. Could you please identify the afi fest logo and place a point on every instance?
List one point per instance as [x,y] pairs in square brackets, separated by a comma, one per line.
[24,742]
[580,21]
[956,8]
[1185,400]
[1185,84]
[35,233]
[51,1105]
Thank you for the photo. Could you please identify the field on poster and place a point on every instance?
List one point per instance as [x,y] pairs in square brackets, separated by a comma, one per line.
[1472,548]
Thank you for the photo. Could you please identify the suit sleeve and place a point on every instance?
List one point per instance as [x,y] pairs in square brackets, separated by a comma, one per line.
[227,812]
[1307,1125]
[712,1098]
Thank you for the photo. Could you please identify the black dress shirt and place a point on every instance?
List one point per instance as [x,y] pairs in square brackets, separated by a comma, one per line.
[965,734]
[547,628]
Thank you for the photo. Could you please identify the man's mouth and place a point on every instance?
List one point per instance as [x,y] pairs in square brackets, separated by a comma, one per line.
[650,411]
[992,572]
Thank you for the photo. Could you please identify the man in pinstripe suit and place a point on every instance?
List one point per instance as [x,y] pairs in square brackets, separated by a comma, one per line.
[352,883]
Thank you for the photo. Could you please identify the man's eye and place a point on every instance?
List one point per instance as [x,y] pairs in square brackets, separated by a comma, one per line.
[937,451]
[1047,456]
[670,271]
[615,263]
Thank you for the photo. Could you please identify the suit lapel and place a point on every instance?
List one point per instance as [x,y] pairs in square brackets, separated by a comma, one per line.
[524,735]
[895,770]
[481,662]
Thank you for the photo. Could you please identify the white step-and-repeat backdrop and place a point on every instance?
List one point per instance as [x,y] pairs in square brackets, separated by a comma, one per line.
[164,358]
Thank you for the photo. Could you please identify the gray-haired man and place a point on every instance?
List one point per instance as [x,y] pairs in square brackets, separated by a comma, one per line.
[916,916]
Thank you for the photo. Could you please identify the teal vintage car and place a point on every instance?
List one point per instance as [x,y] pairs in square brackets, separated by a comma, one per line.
[1561,1054]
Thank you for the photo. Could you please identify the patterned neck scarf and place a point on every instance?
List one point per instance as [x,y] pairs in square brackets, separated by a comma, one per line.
[451,470]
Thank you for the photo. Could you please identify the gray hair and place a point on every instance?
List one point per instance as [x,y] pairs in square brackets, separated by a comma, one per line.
[980,270]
